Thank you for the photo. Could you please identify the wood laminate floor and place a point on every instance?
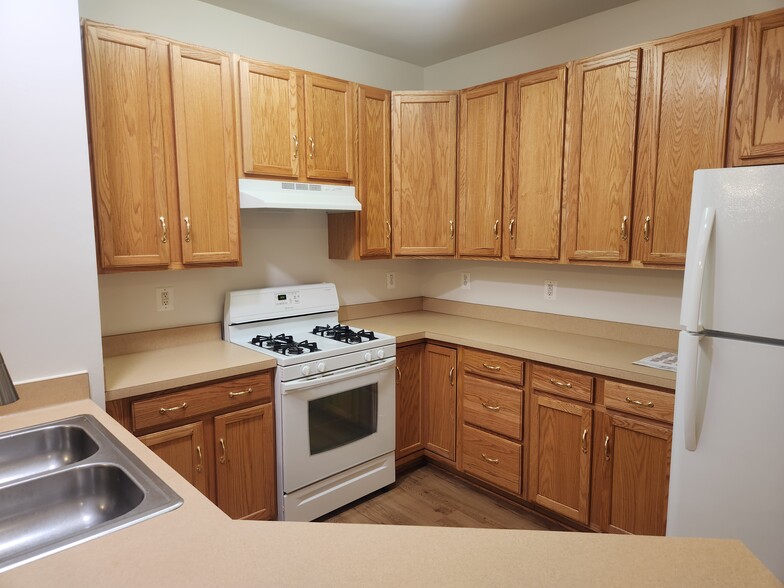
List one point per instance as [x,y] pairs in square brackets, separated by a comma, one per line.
[429,496]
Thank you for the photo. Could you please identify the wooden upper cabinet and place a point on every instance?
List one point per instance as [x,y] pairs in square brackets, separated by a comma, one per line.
[424,146]
[480,183]
[683,127]
[374,189]
[130,132]
[536,113]
[440,390]
[329,125]
[603,104]
[269,118]
[760,112]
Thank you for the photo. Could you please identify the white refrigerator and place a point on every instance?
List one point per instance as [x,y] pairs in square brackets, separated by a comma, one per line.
[727,470]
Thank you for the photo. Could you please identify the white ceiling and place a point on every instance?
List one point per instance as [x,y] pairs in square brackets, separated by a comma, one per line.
[422,32]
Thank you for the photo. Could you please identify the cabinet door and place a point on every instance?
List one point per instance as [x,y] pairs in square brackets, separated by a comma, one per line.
[683,128]
[481,170]
[373,172]
[329,123]
[207,175]
[761,106]
[183,449]
[536,115]
[440,399]
[424,144]
[602,132]
[127,82]
[636,482]
[560,474]
[245,448]
[410,430]
[269,119]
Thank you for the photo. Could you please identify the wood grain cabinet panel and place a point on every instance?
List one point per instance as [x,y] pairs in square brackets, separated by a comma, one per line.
[410,436]
[330,124]
[184,450]
[636,400]
[440,390]
[492,365]
[603,104]
[760,112]
[533,176]
[492,458]
[424,173]
[493,406]
[683,128]
[481,153]
[562,382]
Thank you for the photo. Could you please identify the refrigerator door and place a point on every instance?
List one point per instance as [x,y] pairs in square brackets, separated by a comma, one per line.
[732,484]
[734,276]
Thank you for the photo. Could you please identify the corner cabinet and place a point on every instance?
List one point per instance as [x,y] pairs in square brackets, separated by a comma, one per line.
[410,437]
[162,143]
[424,173]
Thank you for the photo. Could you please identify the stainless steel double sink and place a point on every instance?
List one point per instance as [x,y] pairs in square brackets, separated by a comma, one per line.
[65,482]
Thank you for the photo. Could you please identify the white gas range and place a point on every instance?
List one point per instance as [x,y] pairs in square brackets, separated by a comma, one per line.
[334,395]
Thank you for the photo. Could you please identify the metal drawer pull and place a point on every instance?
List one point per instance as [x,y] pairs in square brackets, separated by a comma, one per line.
[223,451]
[495,229]
[486,404]
[389,231]
[241,393]
[165,236]
[296,146]
[451,229]
[624,234]
[561,384]
[452,376]
[607,447]
[201,460]
[182,406]
[639,402]
[399,373]
[646,229]
[187,229]
[584,440]
[312,147]
[495,368]
[511,229]
[489,459]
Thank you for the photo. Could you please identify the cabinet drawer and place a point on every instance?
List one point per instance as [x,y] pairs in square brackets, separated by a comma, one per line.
[494,406]
[640,401]
[492,459]
[562,382]
[498,367]
[177,407]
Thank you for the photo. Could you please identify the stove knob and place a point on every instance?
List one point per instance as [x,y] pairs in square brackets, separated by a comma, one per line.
[368,356]
[305,370]
[320,366]
[380,354]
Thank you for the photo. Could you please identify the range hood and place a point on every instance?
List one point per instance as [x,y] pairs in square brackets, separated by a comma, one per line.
[296,196]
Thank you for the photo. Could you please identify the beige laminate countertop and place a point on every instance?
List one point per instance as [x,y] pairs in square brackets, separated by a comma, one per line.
[601,356]
[197,545]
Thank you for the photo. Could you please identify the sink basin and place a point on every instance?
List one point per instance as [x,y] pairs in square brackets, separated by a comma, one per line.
[67,482]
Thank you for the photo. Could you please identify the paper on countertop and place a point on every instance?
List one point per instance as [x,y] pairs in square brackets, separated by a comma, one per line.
[665,360]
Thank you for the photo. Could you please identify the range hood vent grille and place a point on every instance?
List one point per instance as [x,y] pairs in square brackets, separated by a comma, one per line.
[268,194]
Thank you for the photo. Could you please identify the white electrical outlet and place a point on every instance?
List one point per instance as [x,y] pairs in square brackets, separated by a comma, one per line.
[164,298]
[390,280]
[465,281]
[550,289]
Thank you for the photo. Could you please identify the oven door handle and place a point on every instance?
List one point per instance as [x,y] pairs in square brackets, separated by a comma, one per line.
[337,376]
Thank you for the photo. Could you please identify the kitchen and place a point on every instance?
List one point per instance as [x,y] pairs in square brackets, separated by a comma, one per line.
[62,253]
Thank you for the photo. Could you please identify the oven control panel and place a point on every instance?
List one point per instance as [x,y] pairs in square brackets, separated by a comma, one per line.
[287,299]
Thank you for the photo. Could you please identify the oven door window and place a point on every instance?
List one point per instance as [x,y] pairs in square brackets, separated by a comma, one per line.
[342,418]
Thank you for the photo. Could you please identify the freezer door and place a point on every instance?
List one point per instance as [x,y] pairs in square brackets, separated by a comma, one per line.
[741,252]
[732,484]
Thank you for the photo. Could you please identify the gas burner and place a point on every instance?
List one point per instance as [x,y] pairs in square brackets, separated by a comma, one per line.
[344,334]
[283,344]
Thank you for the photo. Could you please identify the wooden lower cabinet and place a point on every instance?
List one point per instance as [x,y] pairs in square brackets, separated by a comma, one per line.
[491,458]
[183,449]
[410,436]
[440,392]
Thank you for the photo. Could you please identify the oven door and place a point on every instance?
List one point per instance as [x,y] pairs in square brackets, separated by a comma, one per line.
[335,421]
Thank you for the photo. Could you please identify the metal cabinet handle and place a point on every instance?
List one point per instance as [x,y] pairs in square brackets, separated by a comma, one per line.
[488,406]
[607,447]
[495,228]
[223,450]
[296,146]
[187,229]
[511,229]
[639,402]
[584,440]
[312,147]
[165,236]
[624,234]
[452,376]
[182,406]
[241,393]
[561,384]
[495,368]
[451,229]
[646,229]
[399,373]
[489,459]
[201,459]
[389,231]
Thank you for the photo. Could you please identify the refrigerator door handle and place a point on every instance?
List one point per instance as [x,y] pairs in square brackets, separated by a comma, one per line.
[695,271]
[687,385]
